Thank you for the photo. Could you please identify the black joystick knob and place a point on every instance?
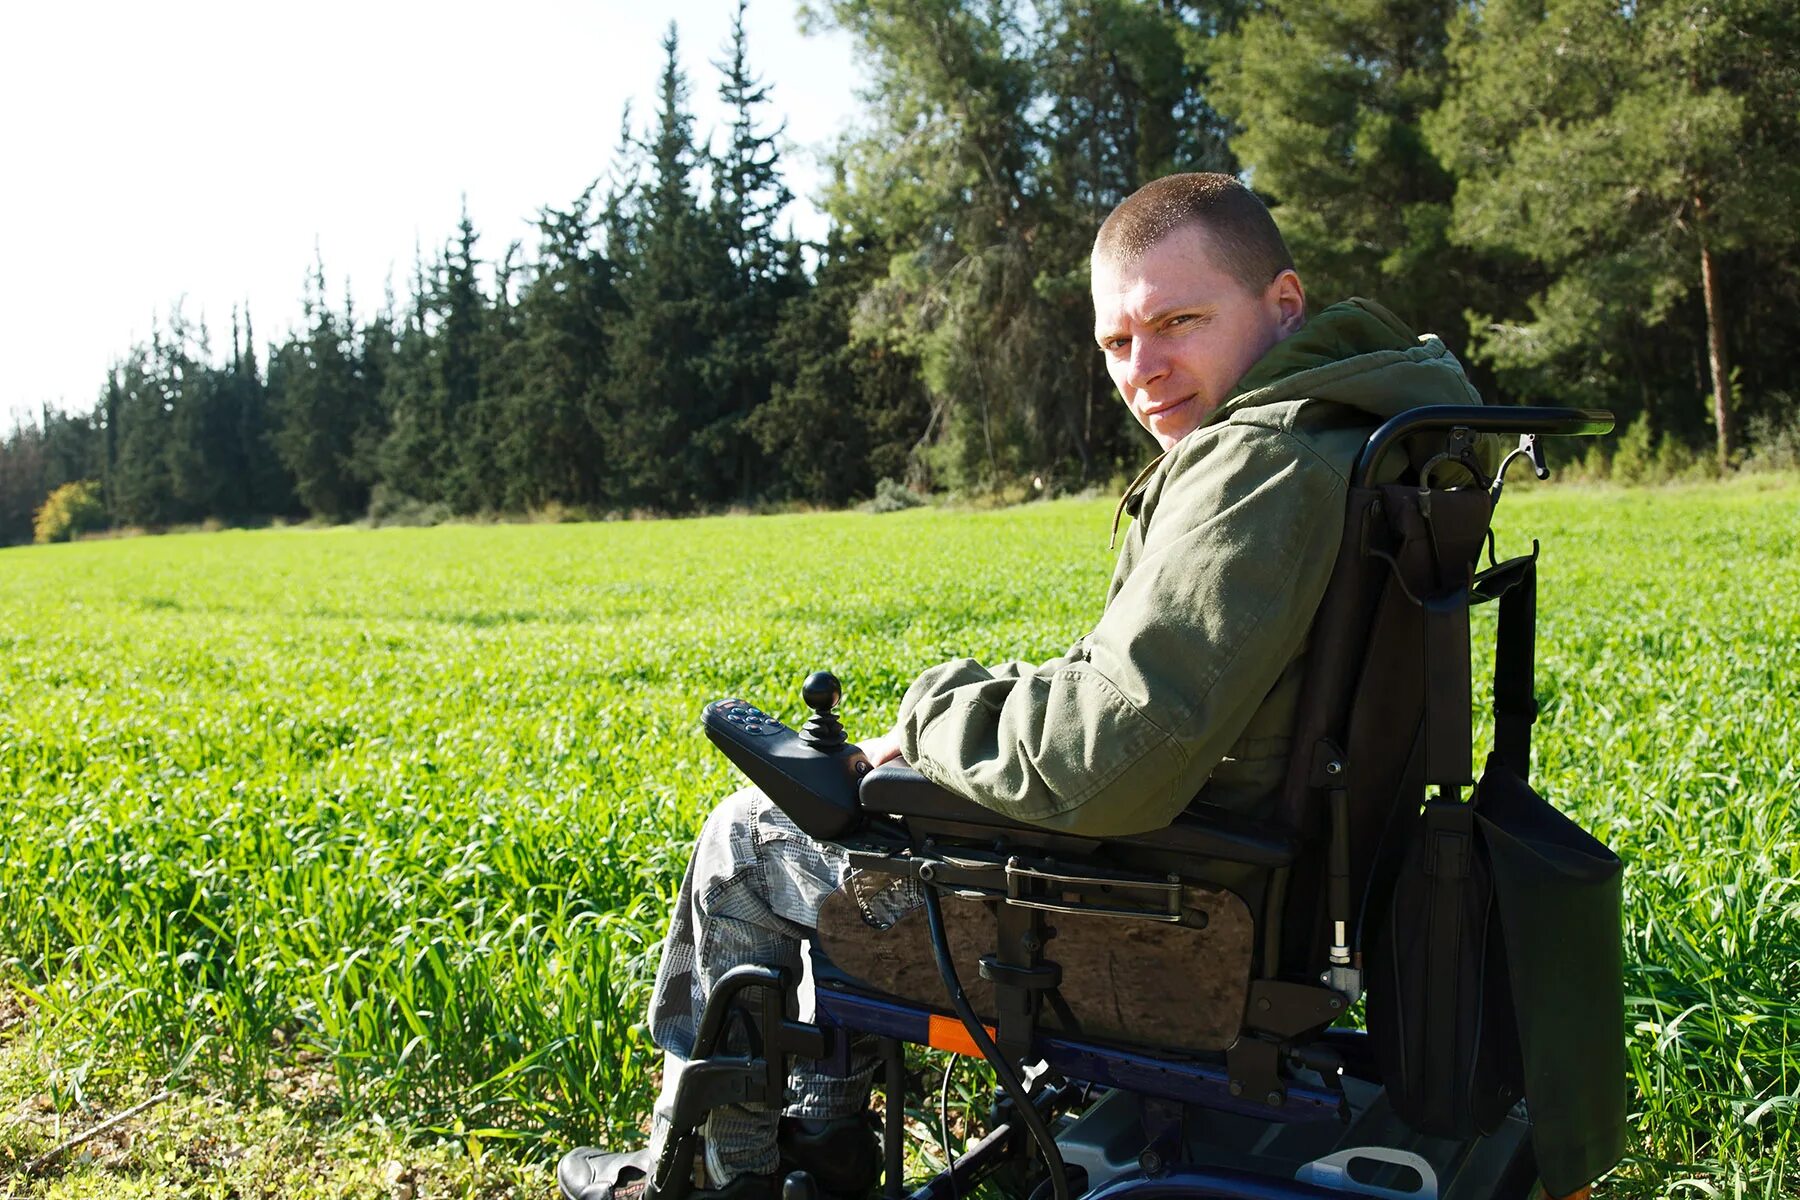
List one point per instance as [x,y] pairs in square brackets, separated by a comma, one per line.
[799,1186]
[823,733]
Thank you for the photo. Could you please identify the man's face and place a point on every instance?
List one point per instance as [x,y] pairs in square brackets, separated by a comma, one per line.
[1179,332]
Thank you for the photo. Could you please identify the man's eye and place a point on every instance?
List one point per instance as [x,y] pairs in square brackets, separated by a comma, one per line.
[1114,345]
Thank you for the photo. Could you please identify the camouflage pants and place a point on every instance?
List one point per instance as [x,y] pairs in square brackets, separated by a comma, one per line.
[751,894]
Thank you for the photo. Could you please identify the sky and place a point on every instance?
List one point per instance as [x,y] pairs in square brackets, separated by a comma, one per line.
[196,151]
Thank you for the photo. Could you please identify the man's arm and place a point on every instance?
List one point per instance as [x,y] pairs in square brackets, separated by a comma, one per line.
[886,747]
[1119,736]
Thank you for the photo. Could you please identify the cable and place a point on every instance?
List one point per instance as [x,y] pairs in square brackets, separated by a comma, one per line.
[944,1124]
[1009,1080]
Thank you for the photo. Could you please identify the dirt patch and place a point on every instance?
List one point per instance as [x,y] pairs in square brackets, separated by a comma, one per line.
[15,1012]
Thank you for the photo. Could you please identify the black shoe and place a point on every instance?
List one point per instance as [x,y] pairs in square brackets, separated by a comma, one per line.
[842,1155]
[588,1174]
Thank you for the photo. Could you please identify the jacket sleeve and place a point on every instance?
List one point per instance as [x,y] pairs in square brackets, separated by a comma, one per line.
[1119,736]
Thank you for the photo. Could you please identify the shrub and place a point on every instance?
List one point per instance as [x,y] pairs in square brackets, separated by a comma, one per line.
[1773,443]
[1634,458]
[70,510]
[1596,462]
[388,506]
[554,512]
[892,496]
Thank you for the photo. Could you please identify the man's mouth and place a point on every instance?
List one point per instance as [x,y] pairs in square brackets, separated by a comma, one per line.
[1159,409]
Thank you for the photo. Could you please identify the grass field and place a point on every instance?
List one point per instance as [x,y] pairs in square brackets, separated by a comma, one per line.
[363,839]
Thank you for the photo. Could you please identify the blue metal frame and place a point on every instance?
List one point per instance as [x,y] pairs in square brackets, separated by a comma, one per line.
[1189,1082]
[1211,1183]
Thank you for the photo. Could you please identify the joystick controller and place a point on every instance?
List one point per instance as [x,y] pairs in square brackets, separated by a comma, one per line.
[824,733]
[813,775]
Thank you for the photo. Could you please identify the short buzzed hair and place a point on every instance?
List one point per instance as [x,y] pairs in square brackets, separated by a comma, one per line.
[1243,238]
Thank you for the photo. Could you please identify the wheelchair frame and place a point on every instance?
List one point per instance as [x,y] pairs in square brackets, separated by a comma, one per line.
[1266,1118]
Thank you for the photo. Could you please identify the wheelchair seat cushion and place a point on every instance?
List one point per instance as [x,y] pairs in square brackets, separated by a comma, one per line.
[1159,985]
[1202,832]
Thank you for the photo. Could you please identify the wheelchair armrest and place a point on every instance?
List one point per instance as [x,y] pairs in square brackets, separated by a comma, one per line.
[903,792]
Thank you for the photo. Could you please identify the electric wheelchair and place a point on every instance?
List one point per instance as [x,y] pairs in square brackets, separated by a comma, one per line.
[1170,1014]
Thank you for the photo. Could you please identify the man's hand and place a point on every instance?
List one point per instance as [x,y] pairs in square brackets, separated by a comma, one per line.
[883,749]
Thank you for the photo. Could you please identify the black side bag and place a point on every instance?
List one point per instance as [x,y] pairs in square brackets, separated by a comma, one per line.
[1499,967]
[1559,895]
[1440,1009]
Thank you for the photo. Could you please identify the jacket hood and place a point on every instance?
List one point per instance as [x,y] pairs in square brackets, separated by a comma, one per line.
[1355,353]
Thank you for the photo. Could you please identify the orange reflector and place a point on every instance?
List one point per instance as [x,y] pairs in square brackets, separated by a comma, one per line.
[947,1033]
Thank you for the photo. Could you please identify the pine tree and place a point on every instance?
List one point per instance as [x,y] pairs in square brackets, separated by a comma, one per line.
[942,180]
[470,421]
[553,448]
[1331,96]
[320,406]
[749,197]
[39,456]
[373,354]
[843,412]
[1626,151]
[1122,105]
[414,455]
[24,483]
[997,140]
[141,491]
[668,387]
[267,489]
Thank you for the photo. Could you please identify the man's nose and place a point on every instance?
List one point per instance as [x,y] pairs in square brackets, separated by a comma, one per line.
[1147,364]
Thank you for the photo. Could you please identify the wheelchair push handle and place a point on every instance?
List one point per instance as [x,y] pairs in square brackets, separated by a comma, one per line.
[1524,420]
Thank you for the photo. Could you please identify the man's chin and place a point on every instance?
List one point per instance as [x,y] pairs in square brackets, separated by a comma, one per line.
[1171,424]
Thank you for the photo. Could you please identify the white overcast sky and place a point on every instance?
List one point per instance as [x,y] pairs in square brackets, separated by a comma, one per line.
[195,150]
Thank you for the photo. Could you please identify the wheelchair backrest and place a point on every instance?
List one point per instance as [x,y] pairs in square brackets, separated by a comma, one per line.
[1386,707]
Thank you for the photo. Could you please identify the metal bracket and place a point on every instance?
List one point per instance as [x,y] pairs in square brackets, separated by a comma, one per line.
[1160,899]
[1031,979]
[1288,1010]
[1346,981]
[1251,1064]
[1459,447]
[1164,1134]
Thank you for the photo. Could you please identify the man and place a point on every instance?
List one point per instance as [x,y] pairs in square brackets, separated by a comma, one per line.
[1187,686]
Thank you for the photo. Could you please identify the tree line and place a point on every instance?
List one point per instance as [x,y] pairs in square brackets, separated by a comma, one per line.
[1591,201]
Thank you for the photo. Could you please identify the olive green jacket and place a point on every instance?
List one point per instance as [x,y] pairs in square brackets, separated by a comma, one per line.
[1189,685]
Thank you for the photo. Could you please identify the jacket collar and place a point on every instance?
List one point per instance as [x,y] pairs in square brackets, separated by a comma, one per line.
[1133,499]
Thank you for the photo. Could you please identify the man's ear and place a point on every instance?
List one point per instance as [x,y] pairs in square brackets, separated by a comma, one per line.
[1287,296]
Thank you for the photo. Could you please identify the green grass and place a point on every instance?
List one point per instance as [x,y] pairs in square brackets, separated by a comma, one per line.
[400,811]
